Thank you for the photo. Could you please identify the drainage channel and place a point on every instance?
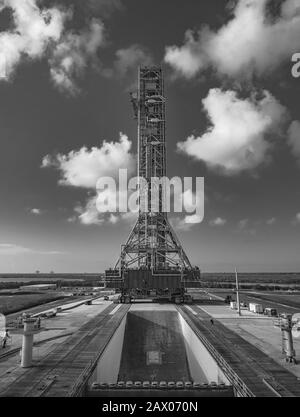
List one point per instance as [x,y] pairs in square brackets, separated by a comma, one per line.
[155,352]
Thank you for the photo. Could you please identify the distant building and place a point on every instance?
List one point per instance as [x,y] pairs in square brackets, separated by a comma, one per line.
[38,287]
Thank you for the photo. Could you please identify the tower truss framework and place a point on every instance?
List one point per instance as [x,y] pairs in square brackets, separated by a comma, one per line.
[152,243]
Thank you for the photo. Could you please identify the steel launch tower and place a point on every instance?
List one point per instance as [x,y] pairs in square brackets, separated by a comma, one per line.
[152,251]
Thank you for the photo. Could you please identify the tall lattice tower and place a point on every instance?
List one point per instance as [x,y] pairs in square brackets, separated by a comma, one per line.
[152,244]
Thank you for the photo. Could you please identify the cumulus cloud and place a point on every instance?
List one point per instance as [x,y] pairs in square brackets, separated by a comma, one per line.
[187,60]
[35,29]
[127,61]
[12,249]
[179,223]
[251,42]
[89,214]
[237,139]
[294,138]
[131,57]
[105,208]
[192,203]
[72,55]
[36,211]
[271,221]
[218,221]
[39,32]
[84,167]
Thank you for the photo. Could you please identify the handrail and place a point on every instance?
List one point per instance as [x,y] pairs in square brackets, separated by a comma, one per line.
[237,382]
[87,371]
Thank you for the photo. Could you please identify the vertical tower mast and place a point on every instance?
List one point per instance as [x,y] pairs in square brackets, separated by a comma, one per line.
[152,244]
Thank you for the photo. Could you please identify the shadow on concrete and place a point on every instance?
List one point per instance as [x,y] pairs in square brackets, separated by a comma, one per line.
[154,348]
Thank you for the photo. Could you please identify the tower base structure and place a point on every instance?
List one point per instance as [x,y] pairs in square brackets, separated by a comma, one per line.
[152,262]
[169,285]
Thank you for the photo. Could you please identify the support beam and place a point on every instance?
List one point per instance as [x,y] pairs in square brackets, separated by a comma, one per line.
[27,344]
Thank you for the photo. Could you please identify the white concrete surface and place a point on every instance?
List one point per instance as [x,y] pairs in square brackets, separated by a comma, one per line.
[109,364]
[152,307]
[259,330]
[203,367]
[225,312]
[64,323]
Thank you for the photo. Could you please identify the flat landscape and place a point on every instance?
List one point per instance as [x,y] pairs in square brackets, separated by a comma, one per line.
[12,303]
[283,301]
[250,277]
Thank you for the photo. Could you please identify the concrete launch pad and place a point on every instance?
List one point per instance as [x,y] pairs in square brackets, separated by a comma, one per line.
[150,354]
[146,349]
[63,371]
[251,370]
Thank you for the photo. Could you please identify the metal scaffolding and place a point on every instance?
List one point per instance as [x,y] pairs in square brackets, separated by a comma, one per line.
[152,243]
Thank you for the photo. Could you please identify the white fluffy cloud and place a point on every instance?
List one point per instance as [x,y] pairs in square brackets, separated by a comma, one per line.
[73,53]
[40,32]
[237,138]
[192,203]
[12,249]
[251,42]
[218,221]
[36,211]
[89,214]
[130,58]
[126,62]
[188,59]
[84,167]
[179,223]
[35,30]
[294,138]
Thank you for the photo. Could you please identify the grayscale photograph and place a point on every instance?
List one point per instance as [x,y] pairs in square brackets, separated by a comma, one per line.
[150,202]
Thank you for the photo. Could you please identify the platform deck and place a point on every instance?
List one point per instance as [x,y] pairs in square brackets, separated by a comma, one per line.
[261,375]
[64,371]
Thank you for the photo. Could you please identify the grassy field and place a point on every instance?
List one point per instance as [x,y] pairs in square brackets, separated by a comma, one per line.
[292,300]
[263,278]
[13,303]
[253,281]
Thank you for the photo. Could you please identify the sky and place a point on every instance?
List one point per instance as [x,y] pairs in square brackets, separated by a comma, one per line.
[66,70]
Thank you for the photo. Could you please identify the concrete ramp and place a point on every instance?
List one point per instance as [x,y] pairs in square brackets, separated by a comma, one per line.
[153,348]
[154,343]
